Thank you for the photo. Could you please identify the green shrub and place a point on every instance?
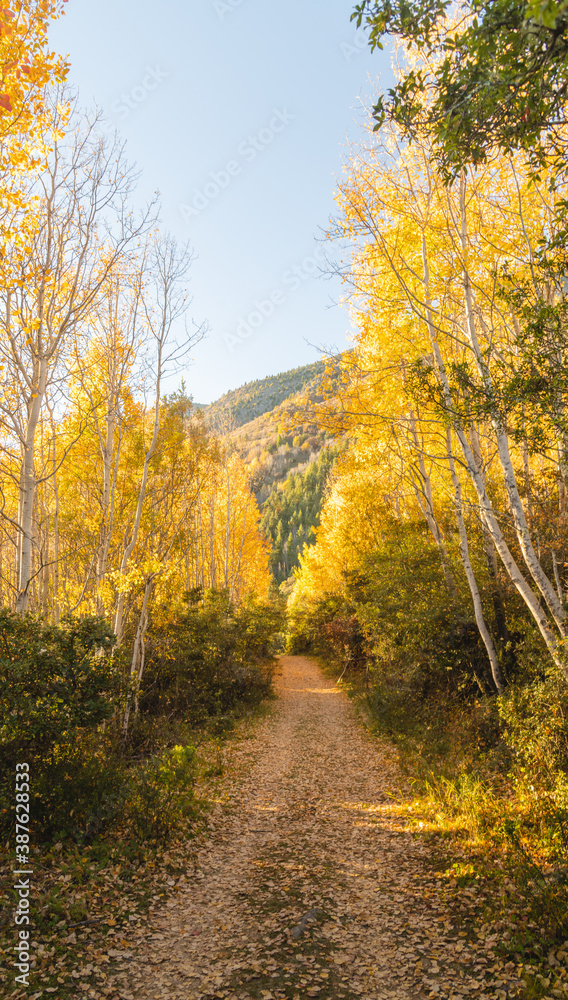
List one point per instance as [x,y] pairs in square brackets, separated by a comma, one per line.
[53,678]
[56,688]
[212,658]
[535,718]
[309,626]
[78,788]
[162,795]
[543,885]
[395,617]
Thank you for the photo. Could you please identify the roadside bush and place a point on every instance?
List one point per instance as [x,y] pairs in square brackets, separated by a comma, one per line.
[211,658]
[60,686]
[53,678]
[403,633]
[496,772]
[535,721]
[311,624]
[535,727]
[543,886]
[346,639]
[162,796]
[78,787]
[56,688]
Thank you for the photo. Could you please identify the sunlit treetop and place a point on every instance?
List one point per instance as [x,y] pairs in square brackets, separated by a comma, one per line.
[26,66]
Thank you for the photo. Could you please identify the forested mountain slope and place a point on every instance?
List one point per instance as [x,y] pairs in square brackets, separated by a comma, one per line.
[291,513]
[272,425]
[240,406]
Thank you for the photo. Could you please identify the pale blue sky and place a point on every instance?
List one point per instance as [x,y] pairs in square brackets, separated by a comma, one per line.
[237,111]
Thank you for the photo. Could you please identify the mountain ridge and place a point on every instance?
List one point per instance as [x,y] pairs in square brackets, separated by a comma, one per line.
[289,456]
[239,406]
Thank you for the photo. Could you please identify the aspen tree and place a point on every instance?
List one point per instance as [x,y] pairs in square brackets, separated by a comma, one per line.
[55,281]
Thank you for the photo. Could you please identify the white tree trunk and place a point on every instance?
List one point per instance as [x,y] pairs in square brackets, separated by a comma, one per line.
[485,507]
[425,500]
[138,659]
[519,519]
[484,632]
[27,495]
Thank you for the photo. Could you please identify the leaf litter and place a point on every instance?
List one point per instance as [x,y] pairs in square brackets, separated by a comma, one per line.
[307,883]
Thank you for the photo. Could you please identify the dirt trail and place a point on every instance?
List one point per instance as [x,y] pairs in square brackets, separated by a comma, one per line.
[307,886]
